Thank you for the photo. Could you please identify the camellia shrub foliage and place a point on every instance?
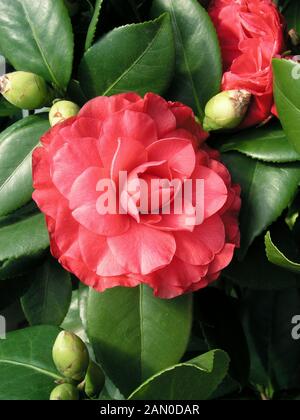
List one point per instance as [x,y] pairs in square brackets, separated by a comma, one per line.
[149,304]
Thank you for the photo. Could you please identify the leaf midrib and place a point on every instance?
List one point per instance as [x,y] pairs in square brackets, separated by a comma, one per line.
[35,37]
[180,38]
[7,180]
[124,74]
[31,367]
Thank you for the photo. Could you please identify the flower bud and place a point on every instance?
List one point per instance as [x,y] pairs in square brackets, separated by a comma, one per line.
[94,380]
[61,111]
[64,392]
[226,110]
[25,90]
[294,37]
[70,356]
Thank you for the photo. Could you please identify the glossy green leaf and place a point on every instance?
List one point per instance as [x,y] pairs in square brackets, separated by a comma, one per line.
[36,36]
[137,58]
[23,241]
[16,146]
[275,354]
[278,257]
[26,366]
[198,69]
[135,335]
[267,190]
[93,25]
[257,273]
[48,299]
[287,98]
[268,143]
[196,379]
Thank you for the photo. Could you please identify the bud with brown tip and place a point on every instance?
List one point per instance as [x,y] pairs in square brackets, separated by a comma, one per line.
[25,90]
[61,111]
[226,110]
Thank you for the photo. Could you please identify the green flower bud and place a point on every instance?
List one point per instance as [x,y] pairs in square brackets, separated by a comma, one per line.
[94,380]
[226,110]
[72,6]
[64,392]
[25,90]
[61,111]
[70,356]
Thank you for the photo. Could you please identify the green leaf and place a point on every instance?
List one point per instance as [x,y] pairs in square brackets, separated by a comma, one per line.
[277,257]
[222,329]
[267,190]
[23,241]
[36,36]
[26,366]
[198,69]
[268,143]
[93,25]
[6,109]
[292,15]
[257,273]
[12,290]
[48,299]
[275,355]
[193,380]
[16,146]
[137,58]
[135,335]
[287,98]
[72,321]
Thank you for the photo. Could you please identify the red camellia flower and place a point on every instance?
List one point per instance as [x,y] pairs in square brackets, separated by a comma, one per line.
[150,140]
[251,34]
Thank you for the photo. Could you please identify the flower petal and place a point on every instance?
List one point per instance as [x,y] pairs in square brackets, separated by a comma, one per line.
[142,250]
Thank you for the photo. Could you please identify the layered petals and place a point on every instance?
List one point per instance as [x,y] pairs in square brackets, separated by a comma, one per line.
[251,34]
[132,196]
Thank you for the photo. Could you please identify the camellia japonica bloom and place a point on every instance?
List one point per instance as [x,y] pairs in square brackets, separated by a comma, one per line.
[112,230]
[251,34]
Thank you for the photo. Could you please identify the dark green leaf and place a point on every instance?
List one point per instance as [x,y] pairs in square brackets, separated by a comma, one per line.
[6,109]
[12,290]
[93,25]
[268,143]
[193,380]
[76,94]
[198,69]
[135,335]
[16,146]
[48,299]
[137,58]
[222,329]
[287,98]
[26,366]
[267,190]
[36,36]
[292,15]
[23,240]
[256,272]
[275,355]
